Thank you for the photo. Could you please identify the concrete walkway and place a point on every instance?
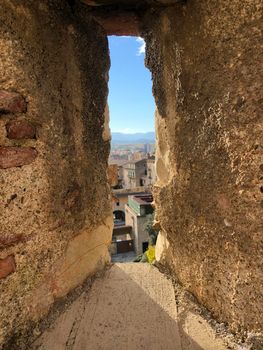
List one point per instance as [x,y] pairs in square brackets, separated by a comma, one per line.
[131,307]
[123,257]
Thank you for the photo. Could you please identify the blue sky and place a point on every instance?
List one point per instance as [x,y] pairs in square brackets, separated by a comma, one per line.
[130,88]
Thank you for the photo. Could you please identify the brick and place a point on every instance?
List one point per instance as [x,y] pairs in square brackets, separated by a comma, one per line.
[7,266]
[10,240]
[20,129]
[12,102]
[16,156]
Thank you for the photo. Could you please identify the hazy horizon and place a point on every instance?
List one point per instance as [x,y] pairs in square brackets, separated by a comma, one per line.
[132,133]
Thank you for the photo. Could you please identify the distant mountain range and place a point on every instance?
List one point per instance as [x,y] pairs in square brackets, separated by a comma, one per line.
[123,139]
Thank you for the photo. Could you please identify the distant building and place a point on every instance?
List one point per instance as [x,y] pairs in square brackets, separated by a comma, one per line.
[147,148]
[120,197]
[122,242]
[133,172]
[138,155]
[122,238]
[115,173]
[151,172]
[136,215]
[149,178]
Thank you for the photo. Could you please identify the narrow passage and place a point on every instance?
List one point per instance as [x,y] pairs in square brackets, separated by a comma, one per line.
[131,307]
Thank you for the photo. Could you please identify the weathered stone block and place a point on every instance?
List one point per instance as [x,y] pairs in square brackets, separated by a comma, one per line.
[7,266]
[11,102]
[86,253]
[20,129]
[16,156]
[120,23]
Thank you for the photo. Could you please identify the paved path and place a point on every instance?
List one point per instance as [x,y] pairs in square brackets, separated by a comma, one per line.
[132,307]
[123,257]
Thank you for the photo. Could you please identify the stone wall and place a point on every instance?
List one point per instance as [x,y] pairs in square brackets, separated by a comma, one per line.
[206,61]
[56,219]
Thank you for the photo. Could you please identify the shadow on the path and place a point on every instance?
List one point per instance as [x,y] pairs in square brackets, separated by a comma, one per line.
[119,314]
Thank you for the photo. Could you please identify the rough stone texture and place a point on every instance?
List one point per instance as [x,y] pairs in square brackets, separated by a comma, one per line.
[118,23]
[20,129]
[7,266]
[11,102]
[85,254]
[206,61]
[134,3]
[56,210]
[205,57]
[9,240]
[11,157]
[113,175]
[163,251]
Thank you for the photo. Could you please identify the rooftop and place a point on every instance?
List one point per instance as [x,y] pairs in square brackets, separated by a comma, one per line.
[129,191]
[143,199]
[119,162]
[134,161]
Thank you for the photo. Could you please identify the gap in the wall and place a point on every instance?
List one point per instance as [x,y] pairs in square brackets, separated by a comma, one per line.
[131,102]
[131,162]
